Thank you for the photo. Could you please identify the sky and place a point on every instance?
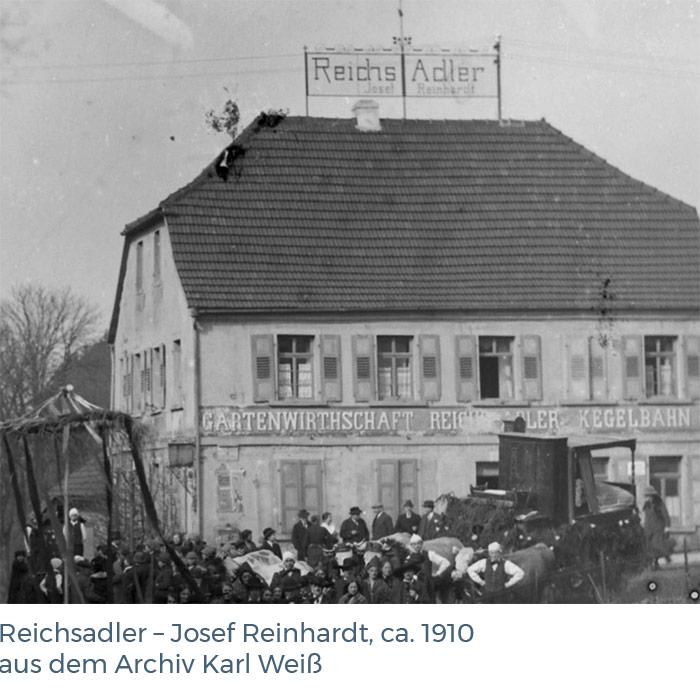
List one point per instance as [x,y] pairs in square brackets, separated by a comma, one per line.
[103,102]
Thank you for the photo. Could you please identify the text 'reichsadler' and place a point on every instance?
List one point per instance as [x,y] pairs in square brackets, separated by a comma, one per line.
[232,648]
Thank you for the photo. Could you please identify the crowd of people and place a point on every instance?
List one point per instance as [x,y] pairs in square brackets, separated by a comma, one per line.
[327,565]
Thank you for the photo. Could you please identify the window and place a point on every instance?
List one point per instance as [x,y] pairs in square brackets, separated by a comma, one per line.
[496,367]
[302,484]
[664,476]
[158,378]
[177,374]
[137,384]
[659,365]
[487,475]
[394,377]
[139,266]
[156,256]
[600,468]
[294,367]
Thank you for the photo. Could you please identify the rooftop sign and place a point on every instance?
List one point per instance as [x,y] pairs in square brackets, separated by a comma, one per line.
[393,73]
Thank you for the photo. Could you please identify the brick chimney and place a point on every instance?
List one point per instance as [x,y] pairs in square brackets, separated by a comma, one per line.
[366,113]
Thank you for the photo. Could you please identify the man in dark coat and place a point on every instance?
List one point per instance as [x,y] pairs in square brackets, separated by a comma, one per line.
[288,572]
[427,522]
[408,521]
[316,537]
[382,524]
[300,534]
[23,588]
[411,589]
[75,533]
[354,529]
[270,542]
[656,522]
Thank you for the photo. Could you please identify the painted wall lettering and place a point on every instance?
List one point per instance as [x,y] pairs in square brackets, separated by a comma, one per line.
[223,420]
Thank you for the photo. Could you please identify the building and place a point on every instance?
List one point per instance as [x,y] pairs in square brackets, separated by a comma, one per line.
[341,311]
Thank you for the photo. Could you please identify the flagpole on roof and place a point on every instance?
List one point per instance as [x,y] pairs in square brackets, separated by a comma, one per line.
[402,41]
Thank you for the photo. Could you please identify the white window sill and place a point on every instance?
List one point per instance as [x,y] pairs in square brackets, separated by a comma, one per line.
[497,403]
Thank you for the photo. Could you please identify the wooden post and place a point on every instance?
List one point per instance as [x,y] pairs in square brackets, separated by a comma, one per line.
[603,582]
[66,564]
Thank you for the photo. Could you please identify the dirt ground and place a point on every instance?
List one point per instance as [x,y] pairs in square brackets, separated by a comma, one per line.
[670,584]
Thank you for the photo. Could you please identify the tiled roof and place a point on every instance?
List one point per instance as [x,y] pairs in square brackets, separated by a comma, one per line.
[427,215]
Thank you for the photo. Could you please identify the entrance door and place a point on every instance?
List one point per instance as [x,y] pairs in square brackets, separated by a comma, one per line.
[398,482]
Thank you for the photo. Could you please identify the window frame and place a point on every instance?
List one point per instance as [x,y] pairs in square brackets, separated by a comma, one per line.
[296,358]
[499,355]
[662,478]
[657,355]
[394,356]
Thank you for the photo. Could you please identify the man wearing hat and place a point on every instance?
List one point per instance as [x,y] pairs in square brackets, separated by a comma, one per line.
[408,521]
[300,534]
[425,561]
[495,574]
[270,542]
[411,589]
[354,529]
[382,524]
[656,522]
[427,522]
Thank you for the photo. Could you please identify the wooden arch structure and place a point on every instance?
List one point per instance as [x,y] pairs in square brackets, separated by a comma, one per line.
[35,451]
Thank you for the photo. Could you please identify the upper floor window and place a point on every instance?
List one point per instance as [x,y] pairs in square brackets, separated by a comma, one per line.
[139,266]
[294,367]
[177,393]
[660,365]
[496,367]
[156,256]
[394,375]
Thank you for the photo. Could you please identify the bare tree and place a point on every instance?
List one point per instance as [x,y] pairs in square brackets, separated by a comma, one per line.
[42,333]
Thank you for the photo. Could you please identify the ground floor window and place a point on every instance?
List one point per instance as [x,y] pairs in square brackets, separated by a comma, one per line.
[664,476]
[302,487]
[487,475]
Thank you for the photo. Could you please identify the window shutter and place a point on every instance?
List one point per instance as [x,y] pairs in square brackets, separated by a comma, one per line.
[692,366]
[467,364]
[599,370]
[162,376]
[263,368]
[578,369]
[363,367]
[632,366]
[331,379]
[532,367]
[430,367]
[148,379]
[312,486]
